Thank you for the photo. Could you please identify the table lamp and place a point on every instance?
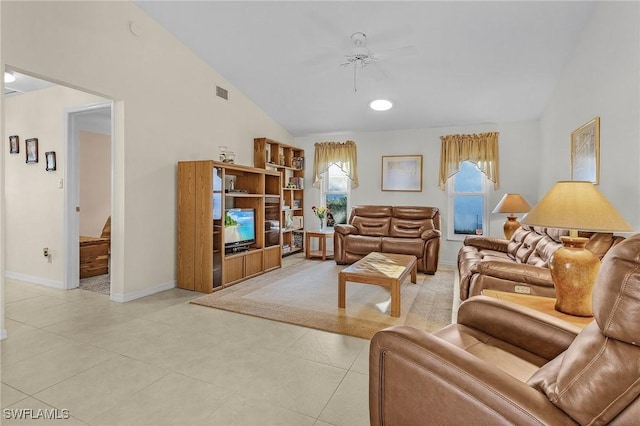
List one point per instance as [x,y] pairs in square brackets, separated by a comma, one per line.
[511,203]
[575,205]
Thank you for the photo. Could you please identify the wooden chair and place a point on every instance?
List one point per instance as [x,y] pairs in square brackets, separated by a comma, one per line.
[94,253]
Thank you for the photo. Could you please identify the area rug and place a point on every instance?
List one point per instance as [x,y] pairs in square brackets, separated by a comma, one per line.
[98,284]
[306,293]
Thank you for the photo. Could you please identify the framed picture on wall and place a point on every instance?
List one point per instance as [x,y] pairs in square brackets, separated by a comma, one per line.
[31,149]
[51,160]
[585,152]
[402,173]
[14,144]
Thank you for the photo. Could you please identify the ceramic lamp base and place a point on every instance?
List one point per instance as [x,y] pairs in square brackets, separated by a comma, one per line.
[510,226]
[574,270]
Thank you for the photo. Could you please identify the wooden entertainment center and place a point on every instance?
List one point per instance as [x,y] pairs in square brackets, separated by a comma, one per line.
[206,190]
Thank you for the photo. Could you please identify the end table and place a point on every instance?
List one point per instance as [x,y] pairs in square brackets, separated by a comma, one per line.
[322,244]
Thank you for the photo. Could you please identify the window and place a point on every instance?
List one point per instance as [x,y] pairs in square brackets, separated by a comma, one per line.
[468,190]
[335,191]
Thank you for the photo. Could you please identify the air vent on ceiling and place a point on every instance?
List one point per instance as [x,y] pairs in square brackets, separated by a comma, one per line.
[222,93]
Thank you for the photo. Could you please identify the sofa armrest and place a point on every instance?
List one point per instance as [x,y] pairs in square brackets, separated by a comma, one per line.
[345,229]
[488,243]
[533,331]
[430,234]
[512,271]
[416,379]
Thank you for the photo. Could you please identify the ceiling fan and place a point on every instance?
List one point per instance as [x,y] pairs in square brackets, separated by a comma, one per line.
[361,56]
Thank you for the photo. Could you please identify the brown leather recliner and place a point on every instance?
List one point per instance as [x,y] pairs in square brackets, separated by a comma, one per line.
[507,364]
[387,229]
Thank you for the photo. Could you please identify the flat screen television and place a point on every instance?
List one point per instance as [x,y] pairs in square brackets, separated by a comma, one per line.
[239,229]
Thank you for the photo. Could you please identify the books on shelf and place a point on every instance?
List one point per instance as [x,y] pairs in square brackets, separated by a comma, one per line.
[296,182]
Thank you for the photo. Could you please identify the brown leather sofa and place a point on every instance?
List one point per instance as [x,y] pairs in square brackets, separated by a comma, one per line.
[402,230]
[506,364]
[519,265]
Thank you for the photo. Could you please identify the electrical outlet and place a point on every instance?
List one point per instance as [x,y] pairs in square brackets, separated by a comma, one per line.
[522,289]
[45,252]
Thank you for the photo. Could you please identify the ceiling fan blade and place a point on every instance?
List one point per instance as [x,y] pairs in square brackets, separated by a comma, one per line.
[398,52]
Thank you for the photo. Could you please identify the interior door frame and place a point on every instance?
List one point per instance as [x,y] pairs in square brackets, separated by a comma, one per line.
[71,184]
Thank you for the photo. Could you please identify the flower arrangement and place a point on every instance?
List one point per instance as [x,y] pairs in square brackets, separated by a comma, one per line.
[320,211]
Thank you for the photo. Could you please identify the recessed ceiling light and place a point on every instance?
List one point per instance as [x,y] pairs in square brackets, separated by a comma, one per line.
[380,105]
[9,77]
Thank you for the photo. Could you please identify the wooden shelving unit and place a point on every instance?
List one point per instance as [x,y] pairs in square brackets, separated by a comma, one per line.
[205,190]
[289,161]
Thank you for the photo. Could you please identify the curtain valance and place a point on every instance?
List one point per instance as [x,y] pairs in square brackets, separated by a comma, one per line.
[482,149]
[344,155]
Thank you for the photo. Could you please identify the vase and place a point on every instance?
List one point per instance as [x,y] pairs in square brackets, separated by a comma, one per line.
[322,223]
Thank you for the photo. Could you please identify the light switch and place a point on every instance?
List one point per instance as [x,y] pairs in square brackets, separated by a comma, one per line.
[60,183]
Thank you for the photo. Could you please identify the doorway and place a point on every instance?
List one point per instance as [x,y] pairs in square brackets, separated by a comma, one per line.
[88,197]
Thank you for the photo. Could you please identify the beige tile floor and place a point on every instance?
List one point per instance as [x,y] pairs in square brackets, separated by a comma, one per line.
[162,361]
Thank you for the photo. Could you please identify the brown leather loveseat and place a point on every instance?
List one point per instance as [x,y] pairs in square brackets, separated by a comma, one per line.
[387,229]
[519,265]
[502,363]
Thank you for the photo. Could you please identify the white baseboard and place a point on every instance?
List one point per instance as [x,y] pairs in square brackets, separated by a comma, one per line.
[34,280]
[127,297]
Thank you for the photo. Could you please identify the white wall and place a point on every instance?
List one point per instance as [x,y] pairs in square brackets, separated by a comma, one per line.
[601,79]
[34,203]
[519,155]
[165,111]
[95,182]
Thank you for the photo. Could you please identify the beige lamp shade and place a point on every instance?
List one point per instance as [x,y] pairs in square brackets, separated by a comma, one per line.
[576,205]
[511,203]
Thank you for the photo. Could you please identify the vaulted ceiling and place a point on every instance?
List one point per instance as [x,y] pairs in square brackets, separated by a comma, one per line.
[440,63]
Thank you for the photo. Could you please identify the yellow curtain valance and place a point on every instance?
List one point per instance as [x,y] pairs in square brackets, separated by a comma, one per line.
[481,149]
[344,155]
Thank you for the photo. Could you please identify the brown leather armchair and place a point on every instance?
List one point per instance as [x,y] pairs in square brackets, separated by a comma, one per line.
[506,364]
[410,230]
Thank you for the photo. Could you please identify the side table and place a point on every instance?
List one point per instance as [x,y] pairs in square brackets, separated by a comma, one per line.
[542,304]
[322,244]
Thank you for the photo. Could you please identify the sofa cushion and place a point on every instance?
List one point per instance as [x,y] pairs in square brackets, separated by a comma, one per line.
[407,228]
[516,241]
[410,246]
[527,247]
[372,226]
[543,252]
[360,244]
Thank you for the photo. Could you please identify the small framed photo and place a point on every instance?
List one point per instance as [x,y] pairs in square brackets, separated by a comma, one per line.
[14,144]
[31,148]
[585,152]
[402,173]
[51,160]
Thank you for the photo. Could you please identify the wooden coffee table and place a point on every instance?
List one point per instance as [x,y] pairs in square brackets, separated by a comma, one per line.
[384,269]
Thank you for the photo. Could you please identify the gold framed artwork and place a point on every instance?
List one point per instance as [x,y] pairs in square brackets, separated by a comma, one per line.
[585,152]
[402,173]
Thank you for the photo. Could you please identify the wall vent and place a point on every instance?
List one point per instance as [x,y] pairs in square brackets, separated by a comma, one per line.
[222,93]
